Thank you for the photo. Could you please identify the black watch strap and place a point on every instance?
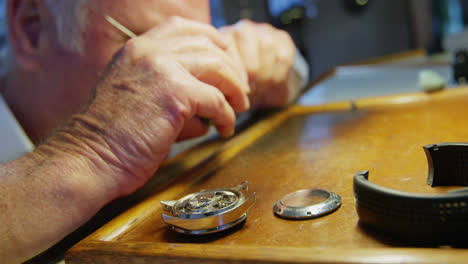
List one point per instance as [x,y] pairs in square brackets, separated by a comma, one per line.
[427,218]
[448,164]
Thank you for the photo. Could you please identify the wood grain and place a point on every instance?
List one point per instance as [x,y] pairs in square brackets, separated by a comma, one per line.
[134,252]
[300,147]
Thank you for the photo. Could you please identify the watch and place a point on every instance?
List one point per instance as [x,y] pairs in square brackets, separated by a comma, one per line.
[208,211]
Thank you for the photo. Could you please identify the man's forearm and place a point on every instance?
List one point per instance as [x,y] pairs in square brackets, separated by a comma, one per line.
[47,194]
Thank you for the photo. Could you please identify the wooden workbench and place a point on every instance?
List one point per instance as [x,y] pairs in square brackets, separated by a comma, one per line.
[299,147]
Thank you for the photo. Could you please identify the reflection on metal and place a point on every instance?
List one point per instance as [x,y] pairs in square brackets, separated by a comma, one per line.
[306,204]
[209,211]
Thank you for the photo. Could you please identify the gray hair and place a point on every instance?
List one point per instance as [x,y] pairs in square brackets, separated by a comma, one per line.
[71,18]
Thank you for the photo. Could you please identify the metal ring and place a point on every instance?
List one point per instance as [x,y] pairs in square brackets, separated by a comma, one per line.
[307,204]
[210,230]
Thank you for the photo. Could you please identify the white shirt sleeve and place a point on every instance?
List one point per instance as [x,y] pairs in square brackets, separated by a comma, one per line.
[301,67]
[13,140]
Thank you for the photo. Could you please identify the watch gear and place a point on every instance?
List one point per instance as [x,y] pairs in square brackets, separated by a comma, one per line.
[208,211]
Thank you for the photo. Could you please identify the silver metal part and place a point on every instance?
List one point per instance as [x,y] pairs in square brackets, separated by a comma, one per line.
[306,204]
[209,211]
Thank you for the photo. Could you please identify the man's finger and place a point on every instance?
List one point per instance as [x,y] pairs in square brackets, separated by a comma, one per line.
[216,72]
[177,26]
[233,52]
[201,44]
[248,45]
[268,54]
[210,103]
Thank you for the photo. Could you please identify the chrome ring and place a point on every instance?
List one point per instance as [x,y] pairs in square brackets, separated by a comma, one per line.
[307,204]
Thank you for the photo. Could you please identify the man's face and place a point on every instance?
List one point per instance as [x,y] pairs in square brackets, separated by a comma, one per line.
[70,77]
[139,16]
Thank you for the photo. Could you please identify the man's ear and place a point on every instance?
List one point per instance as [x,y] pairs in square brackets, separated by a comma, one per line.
[25,26]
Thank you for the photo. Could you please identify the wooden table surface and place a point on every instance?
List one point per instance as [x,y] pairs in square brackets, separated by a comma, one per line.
[300,147]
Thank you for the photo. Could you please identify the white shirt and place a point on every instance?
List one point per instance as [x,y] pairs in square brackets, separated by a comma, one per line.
[14,142]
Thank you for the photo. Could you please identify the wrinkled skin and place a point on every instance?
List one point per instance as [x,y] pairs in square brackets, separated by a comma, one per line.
[116,110]
[267,54]
[157,83]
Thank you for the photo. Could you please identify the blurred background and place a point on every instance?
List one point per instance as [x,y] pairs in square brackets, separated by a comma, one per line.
[336,32]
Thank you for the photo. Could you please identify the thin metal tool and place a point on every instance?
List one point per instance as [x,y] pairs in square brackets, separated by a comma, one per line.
[112,21]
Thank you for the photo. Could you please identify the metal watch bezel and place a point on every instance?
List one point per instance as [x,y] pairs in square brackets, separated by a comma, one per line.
[286,211]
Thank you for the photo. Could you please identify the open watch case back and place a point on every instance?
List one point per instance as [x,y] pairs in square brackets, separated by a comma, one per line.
[209,211]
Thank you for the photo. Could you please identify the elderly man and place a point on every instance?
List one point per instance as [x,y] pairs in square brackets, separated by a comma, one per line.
[104,107]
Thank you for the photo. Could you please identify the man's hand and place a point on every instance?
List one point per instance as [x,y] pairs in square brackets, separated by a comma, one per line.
[267,54]
[157,84]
